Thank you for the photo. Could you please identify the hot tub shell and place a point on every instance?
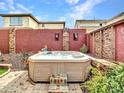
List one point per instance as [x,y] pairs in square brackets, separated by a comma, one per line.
[75,69]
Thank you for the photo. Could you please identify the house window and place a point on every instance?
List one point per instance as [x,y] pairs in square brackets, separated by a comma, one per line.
[75,36]
[15,20]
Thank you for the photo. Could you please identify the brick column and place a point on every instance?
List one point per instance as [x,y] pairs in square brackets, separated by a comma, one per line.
[65,40]
[12,44]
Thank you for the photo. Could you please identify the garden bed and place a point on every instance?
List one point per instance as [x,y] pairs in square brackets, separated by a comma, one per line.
[109,81]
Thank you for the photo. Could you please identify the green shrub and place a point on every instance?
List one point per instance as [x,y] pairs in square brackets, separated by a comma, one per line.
[112,82]
[84,49]
[96,77]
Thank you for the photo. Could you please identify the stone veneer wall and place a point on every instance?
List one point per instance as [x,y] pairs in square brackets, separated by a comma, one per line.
[107,44]
[104,43]
[65,40]
[12,33]
[97,44]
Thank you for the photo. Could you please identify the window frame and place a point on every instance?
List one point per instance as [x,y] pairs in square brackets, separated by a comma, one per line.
[18,23]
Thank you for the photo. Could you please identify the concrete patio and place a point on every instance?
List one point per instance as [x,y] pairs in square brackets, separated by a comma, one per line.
[18,82]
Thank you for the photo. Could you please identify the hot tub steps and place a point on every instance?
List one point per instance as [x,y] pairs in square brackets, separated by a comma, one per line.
[58,79]
[58,89]
[58,84]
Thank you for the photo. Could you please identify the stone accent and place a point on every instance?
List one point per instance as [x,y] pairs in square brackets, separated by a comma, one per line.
[107,43]
[97,44]
[65,40]
[104,43]
[12,35]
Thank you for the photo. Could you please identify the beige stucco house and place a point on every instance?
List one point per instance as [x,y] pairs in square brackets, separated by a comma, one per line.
[91,25]
[29,21]
[52,25]
[117,18]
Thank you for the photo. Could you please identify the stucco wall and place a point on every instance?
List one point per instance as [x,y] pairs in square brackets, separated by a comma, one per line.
[89,25]
[32,40]
[29,22]
[51,26]
[119,29]
[35,40]
[25,22]
[6,21]
[114,20]
[32,23]
[75,45]
[4,40]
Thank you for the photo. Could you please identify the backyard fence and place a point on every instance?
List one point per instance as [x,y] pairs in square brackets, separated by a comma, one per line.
[4,40]
[32,40]
[108,42]
[76,39]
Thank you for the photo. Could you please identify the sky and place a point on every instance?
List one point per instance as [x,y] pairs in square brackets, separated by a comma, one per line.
[63,10]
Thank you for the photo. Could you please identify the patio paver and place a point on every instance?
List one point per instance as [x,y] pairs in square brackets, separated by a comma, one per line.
[17,82]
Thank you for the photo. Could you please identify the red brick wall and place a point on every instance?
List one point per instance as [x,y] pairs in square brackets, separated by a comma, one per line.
[76,45]
[119,30]
[4,40]
[35,40]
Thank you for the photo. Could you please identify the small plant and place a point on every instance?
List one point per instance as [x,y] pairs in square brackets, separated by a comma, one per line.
[95,76]
[24,57]
[84,49]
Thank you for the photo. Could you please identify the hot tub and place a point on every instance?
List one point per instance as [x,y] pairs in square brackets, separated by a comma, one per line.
[74,64]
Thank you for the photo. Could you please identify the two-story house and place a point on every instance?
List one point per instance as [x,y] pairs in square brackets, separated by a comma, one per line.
[29,21]
[91,25]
